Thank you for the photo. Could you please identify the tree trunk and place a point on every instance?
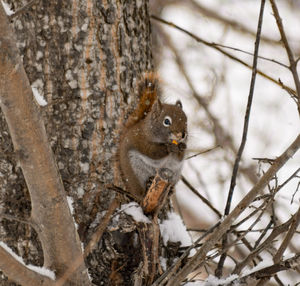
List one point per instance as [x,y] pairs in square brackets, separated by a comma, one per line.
[84,58]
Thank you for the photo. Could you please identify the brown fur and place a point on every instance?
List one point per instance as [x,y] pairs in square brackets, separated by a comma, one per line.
[146,138]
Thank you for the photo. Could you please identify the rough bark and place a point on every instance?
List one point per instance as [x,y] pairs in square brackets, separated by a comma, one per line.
[84,57]
[58,236]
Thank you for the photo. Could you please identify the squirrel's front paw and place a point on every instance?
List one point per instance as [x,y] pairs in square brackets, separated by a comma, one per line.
[172,148]
[181,146]
[176,148]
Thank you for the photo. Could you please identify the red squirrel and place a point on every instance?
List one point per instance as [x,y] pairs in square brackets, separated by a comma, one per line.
[153,140]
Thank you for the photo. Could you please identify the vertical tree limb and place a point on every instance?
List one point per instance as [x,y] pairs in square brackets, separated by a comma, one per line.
[60,241]
[245,132]
[293,63]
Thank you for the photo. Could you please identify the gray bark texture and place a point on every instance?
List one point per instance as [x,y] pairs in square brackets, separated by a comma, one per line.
[84,58]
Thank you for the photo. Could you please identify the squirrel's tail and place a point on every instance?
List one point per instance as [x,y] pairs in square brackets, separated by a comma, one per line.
[148,93]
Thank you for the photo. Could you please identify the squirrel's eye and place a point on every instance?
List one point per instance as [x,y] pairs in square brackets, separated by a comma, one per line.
[167,121]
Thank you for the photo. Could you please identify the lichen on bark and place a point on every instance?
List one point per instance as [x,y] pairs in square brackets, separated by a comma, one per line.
[84,58]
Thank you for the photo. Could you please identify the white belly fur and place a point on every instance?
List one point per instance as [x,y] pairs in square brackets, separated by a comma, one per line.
[145,167]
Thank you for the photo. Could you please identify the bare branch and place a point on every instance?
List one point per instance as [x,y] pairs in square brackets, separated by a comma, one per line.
[245,132]
[251,54]
[198,259]
[92,243]
[288,237]
[269,271]
[12,218]
[214,46]
[59,239]
[19,272]
[196,5]
[203,199]
[276,231]
[202,152]
[293,62]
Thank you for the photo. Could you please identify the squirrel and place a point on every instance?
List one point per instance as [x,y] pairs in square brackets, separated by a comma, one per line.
[152,141]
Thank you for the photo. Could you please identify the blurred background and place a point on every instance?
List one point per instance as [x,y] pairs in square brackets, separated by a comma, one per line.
[214,87]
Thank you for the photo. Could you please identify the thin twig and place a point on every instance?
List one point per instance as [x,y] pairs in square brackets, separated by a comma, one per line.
[202,152]
[247,115]
[275,232]
[287,238]
[203,199]
[288,180]
[212,13]
[297,189]
[264,232]
[199,258]
[13,218]
[269,271]
[222,137]
[245,132]
[214,46]
[251,54]
[250,215]
[293,62]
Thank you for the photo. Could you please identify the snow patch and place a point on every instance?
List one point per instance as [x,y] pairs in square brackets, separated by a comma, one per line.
[7,9]
[213,281]
[134,210]
[41,270]
[38,97]
[10,251]
[163,263]
[70,204]
[173,229]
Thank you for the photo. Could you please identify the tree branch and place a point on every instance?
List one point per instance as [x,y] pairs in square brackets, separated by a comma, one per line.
[216,47]
[198,259]
[269,271]
[19,272]
[203,199]
[59,239]
[245,132]
[288,237]
[227,21]
[92,243]
[276,231]
[293,62]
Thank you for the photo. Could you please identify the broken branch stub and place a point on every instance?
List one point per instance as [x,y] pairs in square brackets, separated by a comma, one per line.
[156,194]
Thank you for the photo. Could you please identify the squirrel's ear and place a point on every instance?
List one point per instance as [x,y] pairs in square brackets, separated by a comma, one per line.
[156,108]
[179,104]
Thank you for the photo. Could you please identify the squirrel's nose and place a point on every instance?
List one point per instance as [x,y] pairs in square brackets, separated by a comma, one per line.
[180,135]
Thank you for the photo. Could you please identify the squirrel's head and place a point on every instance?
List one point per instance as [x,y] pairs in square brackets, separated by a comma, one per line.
[167,123]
